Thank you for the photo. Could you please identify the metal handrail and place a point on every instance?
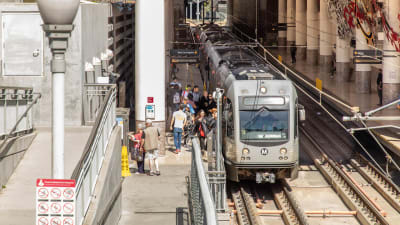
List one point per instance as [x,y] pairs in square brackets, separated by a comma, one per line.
[89,166]
[86,152]
[207,204]
[7,136]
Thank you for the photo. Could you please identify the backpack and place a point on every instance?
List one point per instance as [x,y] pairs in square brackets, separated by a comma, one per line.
[177,98]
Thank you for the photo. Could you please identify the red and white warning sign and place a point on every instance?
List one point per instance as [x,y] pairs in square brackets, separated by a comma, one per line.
[55,202]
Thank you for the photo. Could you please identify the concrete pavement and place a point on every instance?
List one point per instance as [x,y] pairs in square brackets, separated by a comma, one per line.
[17,200]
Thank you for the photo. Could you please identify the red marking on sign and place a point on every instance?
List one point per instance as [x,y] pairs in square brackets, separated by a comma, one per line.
[55,183]
[56,207]
[68,208]
[55,221]
[150,99]
[43,221]
[68,193]
[43,208]
[68,221]
[43,193]
[55,193]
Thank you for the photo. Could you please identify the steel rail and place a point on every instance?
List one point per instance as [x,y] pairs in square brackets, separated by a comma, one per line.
[367,213]
[251,207]
[31,104]
[379,181]
[242,214]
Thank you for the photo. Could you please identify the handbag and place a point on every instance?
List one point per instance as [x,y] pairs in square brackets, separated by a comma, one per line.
[201,131]
[140,157]
[135,154]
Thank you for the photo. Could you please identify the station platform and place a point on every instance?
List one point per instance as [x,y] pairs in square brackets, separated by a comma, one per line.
[18,198]
[346,92]
[154,200]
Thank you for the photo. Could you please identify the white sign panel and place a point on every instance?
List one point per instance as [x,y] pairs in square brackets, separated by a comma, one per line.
[55,202]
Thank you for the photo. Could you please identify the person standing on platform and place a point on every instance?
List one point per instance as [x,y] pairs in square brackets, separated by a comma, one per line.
[149,143]
[211,103]
[379,86]
[201,128]
[203,103]
[139,154]
[186,104]
[175,82]
[178,122]
[196,97]
[187,91]
[176,97]
[293,51]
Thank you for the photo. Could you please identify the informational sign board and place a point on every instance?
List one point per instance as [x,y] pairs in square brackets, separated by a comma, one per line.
[120,123]
[55,202]
[150,112]
[184,56]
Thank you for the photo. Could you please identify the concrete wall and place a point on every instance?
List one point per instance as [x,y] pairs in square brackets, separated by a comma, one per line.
[14,150]
[108,182]
[88,39]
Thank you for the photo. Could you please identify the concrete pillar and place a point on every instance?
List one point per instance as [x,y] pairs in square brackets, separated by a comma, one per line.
[312,31]
[325,33]
[282,19]
[391,62]
[150,62]
[229,13]
[290,20]
[363,71]
[301,28]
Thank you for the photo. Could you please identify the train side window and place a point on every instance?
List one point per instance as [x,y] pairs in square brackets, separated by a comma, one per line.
[228,114]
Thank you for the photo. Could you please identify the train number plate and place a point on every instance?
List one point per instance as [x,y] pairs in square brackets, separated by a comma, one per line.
[264,151]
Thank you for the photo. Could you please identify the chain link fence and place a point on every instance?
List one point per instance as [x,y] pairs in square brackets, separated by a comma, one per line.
[202,209]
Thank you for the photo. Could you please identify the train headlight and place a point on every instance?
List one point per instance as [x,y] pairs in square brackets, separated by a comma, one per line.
[263,90]
[283,151]
[245,151]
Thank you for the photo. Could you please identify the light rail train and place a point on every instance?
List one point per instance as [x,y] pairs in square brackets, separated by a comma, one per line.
[260,110]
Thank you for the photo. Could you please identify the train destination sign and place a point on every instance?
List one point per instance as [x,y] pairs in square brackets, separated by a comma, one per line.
[55,202]
[367,56]
[184,56]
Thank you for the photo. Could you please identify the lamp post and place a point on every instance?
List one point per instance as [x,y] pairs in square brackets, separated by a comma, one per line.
[58,17]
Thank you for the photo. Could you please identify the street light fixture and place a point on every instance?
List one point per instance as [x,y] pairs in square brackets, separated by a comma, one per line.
[58,17]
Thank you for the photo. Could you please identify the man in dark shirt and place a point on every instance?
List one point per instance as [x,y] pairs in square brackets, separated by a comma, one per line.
[379,86]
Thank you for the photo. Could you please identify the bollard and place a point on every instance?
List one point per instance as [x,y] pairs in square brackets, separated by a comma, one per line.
[125,162]
[280,58]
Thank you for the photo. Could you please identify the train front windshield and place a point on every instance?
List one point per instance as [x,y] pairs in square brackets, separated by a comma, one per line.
[264,124]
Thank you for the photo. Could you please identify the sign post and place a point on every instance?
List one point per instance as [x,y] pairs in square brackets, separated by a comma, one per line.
[55,202]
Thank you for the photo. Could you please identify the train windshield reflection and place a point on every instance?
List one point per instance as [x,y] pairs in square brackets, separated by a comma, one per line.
[264,125]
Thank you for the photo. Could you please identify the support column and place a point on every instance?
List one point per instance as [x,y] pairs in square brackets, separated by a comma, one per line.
[150,63]
[229,13]
[342,57]
[363,71]
[290,20]
[391,62]
[282,19]
[191,10]
[325,33]
[301,28]
[312,32]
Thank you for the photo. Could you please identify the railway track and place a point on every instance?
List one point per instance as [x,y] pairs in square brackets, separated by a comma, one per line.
[342,179]
[250,211]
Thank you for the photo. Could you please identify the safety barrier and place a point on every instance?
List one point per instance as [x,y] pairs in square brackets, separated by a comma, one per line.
[94,97]
[202,209]
[15,110]
[88,168]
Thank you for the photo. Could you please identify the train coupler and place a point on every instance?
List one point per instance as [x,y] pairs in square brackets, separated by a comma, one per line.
[265,177]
